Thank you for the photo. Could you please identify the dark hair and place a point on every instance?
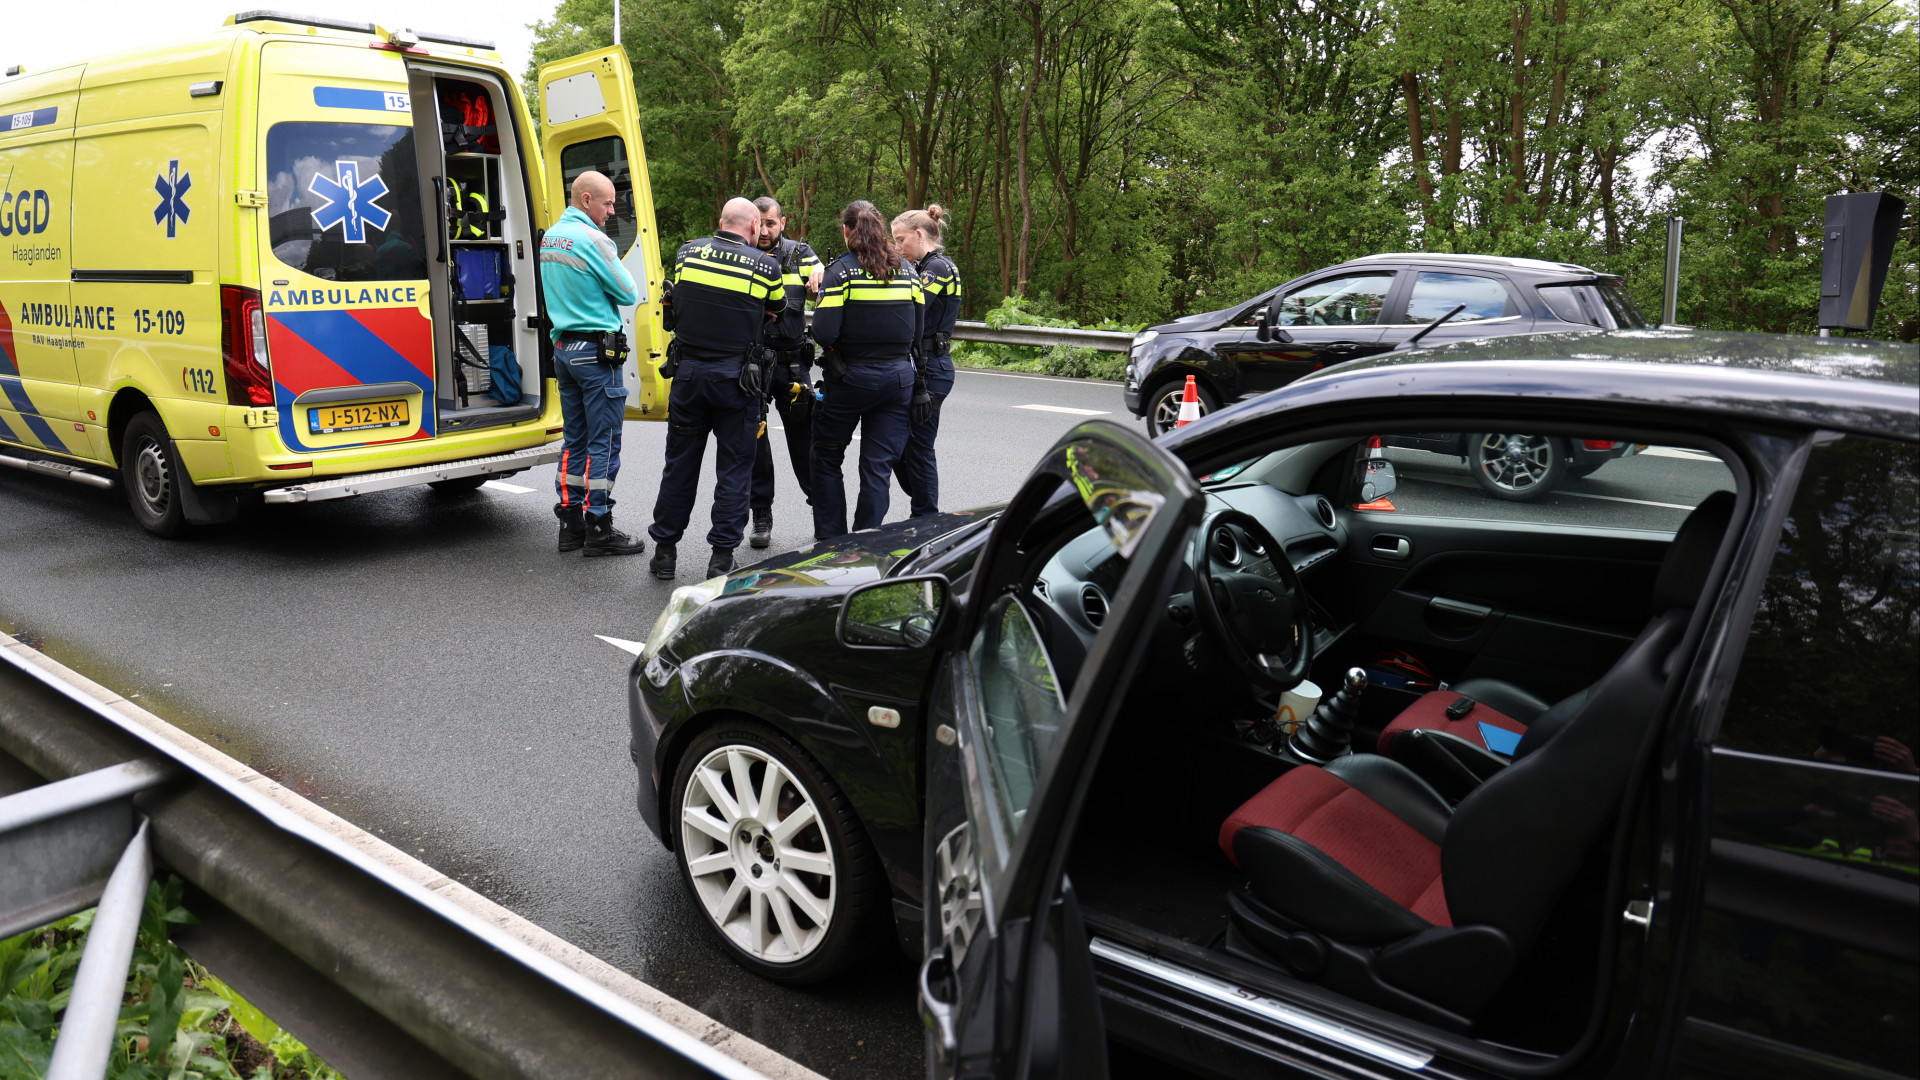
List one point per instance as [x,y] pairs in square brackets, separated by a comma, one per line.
[867,237]
[765,203]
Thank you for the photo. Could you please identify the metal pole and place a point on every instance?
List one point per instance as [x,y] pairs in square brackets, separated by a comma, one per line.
[93,1009]
[616,22]
[1671,302]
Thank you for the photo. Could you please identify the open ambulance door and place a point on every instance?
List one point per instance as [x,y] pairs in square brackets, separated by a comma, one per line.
[590,119]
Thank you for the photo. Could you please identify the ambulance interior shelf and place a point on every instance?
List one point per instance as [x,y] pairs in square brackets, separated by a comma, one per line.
[480,271]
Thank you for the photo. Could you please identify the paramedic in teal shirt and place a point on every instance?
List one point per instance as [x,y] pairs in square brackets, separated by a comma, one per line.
[585,287]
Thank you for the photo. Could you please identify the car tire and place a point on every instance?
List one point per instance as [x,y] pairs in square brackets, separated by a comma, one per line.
[1163,405]
[1517,468]
[459,485]
[801,936]
[151,476]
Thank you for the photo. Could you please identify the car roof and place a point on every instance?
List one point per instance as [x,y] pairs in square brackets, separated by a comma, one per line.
[1843,384]
[1499,262]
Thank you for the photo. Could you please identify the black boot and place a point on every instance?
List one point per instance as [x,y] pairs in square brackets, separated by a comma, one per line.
[762,532]
[573,529]
[721,563]
[662,565]
[604,539]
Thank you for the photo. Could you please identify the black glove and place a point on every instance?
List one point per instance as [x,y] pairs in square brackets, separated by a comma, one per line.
[922,408]
[753,378]
[942,344]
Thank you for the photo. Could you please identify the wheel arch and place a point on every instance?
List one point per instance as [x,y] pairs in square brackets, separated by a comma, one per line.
[128,402]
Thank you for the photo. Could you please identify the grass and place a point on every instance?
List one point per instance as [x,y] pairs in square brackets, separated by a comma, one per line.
[177,1022]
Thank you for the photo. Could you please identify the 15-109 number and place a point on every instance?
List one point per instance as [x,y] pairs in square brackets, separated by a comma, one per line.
[148,321]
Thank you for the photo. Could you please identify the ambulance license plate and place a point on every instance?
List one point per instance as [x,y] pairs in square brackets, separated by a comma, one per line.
[328,419]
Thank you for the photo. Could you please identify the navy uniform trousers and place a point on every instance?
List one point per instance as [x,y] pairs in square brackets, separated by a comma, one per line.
[704,402]
[918,470]
[874,397]
[593,406]
[799,452]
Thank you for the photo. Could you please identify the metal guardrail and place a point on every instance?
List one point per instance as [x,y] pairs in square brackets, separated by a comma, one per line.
[380,975]
[1038,337]
[1043,337]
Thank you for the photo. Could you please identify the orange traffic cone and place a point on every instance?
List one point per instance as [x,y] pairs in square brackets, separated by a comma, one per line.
[1189,404]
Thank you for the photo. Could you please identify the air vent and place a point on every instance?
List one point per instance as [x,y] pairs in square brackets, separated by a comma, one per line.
[1325,510]
[1225,548]
[1093,604]
[1040,590]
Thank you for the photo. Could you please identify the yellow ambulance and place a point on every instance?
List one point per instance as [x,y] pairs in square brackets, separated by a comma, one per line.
[297,259]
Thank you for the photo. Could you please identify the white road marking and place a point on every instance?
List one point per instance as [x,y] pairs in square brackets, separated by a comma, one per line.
[1616,498]
[634,647]
[1677,452]
[1064,409]
[511,489]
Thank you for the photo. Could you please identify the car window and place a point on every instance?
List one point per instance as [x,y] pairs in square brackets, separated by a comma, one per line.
[1021,701]
[1527,476]
[607,156]
[344,201]
[1814,779]
[1349,300]
[1604,304]
[1435,294]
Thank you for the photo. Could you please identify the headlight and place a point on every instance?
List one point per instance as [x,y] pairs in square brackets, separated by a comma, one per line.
[1141,339]
[685,600]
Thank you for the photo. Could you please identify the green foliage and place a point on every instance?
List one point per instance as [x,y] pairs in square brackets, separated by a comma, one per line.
[176,1021]
[1145,159]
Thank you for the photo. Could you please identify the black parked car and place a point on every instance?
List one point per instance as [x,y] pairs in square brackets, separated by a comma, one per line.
[1516,466]
[1357,309]
[1591,800]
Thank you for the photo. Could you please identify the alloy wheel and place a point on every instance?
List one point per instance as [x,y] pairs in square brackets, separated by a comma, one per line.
[755,851]
[1166,412]
[1516,463]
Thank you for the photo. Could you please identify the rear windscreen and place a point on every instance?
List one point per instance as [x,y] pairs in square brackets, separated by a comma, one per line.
[344,201]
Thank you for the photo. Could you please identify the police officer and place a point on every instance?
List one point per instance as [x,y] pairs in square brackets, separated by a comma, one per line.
[916,235]
[725,291]
[792,383]
[585,286]
[868,321]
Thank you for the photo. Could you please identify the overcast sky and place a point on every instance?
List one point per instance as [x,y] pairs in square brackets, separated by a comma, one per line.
[46,33]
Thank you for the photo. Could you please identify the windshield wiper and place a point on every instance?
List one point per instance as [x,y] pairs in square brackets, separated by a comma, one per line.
[1429,328]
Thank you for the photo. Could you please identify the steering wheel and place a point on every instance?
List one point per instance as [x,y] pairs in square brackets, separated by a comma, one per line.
[1251,601]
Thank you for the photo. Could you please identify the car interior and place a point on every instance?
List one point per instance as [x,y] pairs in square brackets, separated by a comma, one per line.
[1376,760]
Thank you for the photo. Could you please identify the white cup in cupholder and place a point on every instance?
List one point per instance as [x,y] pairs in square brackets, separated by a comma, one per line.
[1295,706]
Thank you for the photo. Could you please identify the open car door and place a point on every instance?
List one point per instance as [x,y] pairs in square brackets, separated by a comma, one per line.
[1008,985]
[590,119]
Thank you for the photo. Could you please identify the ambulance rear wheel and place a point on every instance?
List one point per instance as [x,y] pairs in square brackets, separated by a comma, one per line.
[459,485]
[151,476]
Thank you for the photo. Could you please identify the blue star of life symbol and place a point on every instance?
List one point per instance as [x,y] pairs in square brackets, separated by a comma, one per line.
[173,197]
[350,202]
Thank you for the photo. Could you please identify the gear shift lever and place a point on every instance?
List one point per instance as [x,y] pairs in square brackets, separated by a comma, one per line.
[1328,733]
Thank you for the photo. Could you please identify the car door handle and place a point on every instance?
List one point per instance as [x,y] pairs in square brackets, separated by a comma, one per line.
[935,1013]
[1387,546]
[1459,607]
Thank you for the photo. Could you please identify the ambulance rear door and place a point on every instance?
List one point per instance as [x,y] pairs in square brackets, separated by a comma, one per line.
[591,120]
[344,250]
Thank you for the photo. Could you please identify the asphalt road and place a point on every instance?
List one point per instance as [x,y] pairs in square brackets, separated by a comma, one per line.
[426,667]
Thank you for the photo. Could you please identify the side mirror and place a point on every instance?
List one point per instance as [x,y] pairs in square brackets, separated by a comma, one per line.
[901,613]
[1264,328]
[1376,479]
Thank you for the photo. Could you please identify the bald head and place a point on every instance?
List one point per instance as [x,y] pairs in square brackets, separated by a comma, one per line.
[592,193]
[740,216]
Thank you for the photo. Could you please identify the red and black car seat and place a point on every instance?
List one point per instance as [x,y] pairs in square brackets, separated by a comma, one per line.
[1362,876]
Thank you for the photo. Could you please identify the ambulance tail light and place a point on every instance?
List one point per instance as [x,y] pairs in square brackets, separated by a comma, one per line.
[243,345]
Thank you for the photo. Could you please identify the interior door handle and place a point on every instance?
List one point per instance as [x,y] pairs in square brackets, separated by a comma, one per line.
[1387,546]
[1459,607]
[935,1013]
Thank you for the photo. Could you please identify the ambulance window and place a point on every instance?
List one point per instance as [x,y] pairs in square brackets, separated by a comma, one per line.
[344,201]
[607,156]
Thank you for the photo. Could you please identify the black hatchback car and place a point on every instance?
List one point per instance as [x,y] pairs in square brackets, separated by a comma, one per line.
[1616,786]
[1358,309]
